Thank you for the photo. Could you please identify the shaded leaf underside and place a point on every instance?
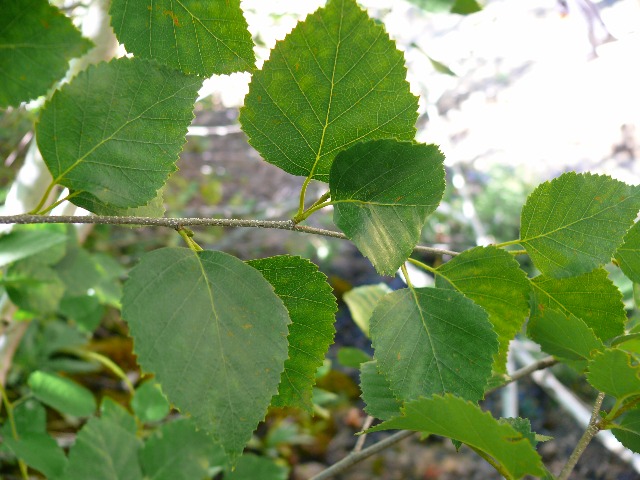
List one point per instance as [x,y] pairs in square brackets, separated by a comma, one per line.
[214,333]
[453,417]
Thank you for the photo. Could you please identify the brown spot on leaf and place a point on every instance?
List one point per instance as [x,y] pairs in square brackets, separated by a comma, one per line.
[173,17]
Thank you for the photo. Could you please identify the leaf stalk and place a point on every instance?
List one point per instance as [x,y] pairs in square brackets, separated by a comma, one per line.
[592,429]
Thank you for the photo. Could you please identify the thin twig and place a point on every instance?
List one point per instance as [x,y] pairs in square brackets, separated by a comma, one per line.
[524,371]
[177,223]
[363,438]
[592,429]
[356,457]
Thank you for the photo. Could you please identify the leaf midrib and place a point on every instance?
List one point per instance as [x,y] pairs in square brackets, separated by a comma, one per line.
[326,120]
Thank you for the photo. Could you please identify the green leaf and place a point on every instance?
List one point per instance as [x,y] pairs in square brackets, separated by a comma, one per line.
[628,255]
[574,223]
[33,286]
[54,253]
[50,337]
[85,311]
[335,80]
[493,279]
[195,37]
[109,289]
[251,467]
[628,431]
[149,403]
[376,393]
[177,451]
[523,426]
[115,131]
[429,341]
[351,357]
[614,372]
[37,42]
[105,449]
[592,297]
[116,413]
[213,332]
[29,416]
[562,335]
[35,447]
[40,452]
[62,394]
[25,242]
[78,271]
[454,417]
[312,307]
[383,191]
[361,302]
